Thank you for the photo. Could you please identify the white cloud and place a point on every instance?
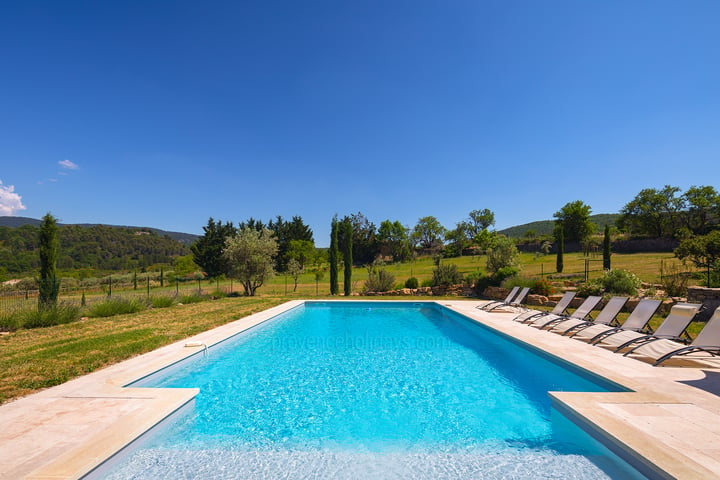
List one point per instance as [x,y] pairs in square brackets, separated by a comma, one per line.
[69,165]
[10,202]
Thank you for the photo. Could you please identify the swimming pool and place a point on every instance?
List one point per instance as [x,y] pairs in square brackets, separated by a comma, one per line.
[372,390]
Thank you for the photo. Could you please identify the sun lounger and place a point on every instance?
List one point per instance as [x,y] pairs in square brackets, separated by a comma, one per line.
[507,300]
[674,327]
[638,321]
[516,302]
[607,317]
[559,309]
[707,341]
[582,313]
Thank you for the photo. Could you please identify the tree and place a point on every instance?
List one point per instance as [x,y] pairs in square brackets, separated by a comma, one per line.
[250,257]
[703,208]
[48,251]
[294,268]
[480,220]
[333,257]
[208,249]
[457,240]
[574,218]
[364,239]
[560,237]
[652,212]
[392,239]
[503,254]
[606,248]
[347,256]
[285,233]
[703,251]
[428,233]
[303,251]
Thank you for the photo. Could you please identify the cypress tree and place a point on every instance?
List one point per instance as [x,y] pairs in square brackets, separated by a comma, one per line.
[560,249]
[347,256]
[333,257]
[48,251]
[606,248]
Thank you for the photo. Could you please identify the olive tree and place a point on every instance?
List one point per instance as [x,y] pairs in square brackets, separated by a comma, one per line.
[503,254]
[249,256]
[703,251]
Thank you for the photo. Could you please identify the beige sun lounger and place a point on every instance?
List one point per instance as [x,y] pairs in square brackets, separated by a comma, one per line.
[607,317]
[707,342]
[672,328]
[507,300]
[582,313]
[559,309]
[637,322]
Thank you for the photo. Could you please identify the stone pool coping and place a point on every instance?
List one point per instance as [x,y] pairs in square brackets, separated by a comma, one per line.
[66,431]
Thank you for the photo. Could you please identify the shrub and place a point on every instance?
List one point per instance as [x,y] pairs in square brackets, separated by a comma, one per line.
[542,286]
[10,321]
[57,315]
[620,282]
[426,283]
[379,280]
[515,281]
[503,273]
[446,275]
[481,283]
[192,298]
[162,301]
[45,317]
[593,287]
[115,306]
[472,278]
[674,281]
[412,282]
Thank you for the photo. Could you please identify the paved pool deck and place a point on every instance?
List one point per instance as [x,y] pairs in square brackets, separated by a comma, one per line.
[671,419]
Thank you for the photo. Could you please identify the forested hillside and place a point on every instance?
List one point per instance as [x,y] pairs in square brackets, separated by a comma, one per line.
[98,247]
[184,238]
[545,227]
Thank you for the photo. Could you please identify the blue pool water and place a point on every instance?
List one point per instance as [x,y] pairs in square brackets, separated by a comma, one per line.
[372,390]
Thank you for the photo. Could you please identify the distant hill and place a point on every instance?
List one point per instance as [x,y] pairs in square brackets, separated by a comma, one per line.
[545,227]
[184,238]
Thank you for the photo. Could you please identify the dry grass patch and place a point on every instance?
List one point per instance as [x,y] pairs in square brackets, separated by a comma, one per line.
[44,357]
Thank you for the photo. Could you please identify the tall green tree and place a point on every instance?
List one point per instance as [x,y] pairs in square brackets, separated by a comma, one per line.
[48,252]
[653,212]
[250,257]
[574,218]
[333,257]
[286,232]
[393,240]
[428,233]
[347,256]
[365,246]
[703,209]
[208,249]
[606,247]
[480,220]
[302,251]
[560,239]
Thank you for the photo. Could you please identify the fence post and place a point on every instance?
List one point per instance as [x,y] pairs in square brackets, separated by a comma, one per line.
[148,286]
[109,285]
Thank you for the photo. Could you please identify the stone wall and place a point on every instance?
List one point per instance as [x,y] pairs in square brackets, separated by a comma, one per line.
[439,291]
[709,297]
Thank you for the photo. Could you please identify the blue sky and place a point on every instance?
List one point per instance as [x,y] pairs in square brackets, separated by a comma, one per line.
[164,113]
